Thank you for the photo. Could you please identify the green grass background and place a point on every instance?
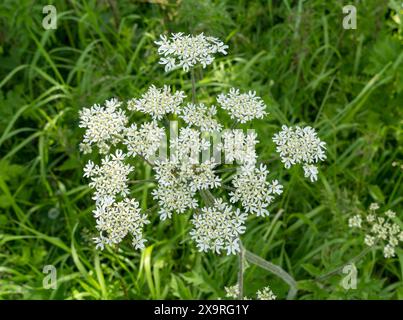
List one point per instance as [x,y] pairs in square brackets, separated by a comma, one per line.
[348,84]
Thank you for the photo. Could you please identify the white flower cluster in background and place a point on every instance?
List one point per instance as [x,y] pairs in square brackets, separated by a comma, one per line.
[187,51]
[242,106]
[380,229]
[189,179]
[218,227]
[263,294]
[298,145]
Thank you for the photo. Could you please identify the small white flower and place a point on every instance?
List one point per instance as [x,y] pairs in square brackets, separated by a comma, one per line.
[371,218]
[188,146]
[369,240]
[390,214]
[187,51]
[374,206]
[275,187]
[175,197]
[388,251]
[232,292]
[158,102]
[242,107]
[311,172]
[89,169]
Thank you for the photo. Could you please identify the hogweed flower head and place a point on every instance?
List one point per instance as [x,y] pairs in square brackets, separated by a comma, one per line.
[298,145]
[186,51]
[239,147]
[183,182]
[232,292]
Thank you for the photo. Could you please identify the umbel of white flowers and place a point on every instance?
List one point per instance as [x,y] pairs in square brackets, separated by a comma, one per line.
[183,182]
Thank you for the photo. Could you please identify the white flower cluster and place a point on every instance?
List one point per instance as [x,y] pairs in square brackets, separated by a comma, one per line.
[201,116]
[143,141]
[111,177]
[298,145]
[117,219]
[188,146]
[239,147]
[158,102]
[242,107]
[104,125]
[218,227]
[186,51]
[379,229]
[178,183]
[264,294]
[253,190]
[184,182]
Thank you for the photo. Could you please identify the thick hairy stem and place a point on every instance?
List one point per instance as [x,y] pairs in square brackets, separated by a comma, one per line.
[278,271]
[241,257]
[339,269]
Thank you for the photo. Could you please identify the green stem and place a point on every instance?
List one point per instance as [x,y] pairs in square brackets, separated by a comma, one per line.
[340,268]
[278,271]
